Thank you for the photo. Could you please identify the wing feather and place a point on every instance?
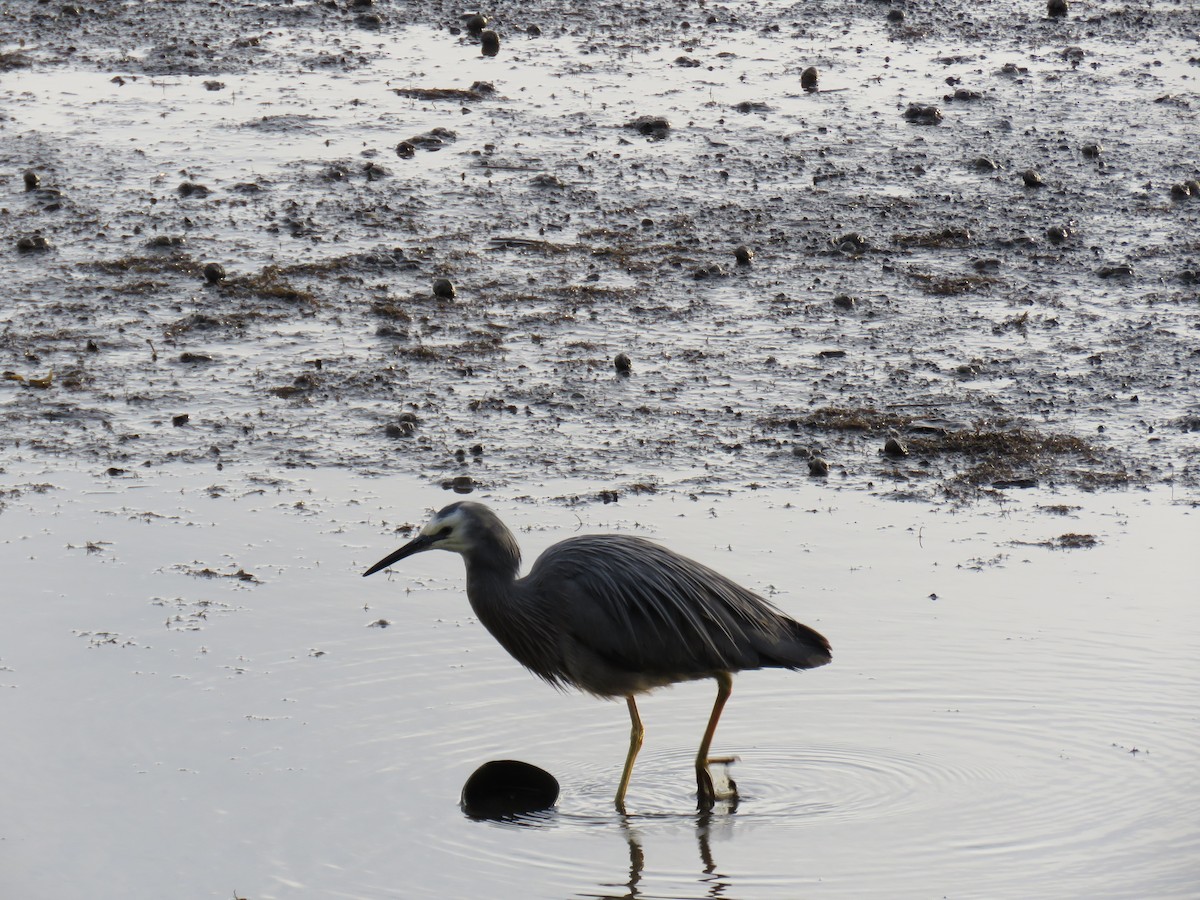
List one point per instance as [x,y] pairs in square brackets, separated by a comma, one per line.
[628,605]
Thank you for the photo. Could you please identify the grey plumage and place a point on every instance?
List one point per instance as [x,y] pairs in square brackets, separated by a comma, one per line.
[616,615]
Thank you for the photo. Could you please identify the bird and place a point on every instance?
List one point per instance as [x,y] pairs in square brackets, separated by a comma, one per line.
[616,616]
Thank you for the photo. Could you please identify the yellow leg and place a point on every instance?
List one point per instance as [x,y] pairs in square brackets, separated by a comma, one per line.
[636,734]
[706,794]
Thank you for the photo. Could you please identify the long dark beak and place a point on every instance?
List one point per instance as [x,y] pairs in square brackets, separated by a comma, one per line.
[416,545]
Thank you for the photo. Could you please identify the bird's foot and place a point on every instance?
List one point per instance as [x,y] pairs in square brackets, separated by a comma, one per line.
[709,787]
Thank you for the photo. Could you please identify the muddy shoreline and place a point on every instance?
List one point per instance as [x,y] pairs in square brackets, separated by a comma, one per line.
[224,249]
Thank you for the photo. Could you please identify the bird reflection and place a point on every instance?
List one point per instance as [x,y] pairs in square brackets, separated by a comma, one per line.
[715,883]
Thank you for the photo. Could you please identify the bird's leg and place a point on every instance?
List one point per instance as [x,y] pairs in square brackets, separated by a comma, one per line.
[706,794]
[636,734]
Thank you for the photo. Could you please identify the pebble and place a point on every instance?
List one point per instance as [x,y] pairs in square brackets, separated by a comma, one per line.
[894,448]
[444,288]
[1058,233]
[818,467]
[808,79]
[622,364]
[655,127]
[1056,8]
[192,189]
[399,429]
[214,272]
[1091,151]
[489,43]
[32,180]
[32,243]
[923,114]
[1032,178]
[852,244]
[744,255]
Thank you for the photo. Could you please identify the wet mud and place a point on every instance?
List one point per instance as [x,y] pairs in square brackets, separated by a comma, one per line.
[935,251]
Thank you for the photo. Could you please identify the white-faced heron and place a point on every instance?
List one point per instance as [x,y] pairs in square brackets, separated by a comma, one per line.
[616,616]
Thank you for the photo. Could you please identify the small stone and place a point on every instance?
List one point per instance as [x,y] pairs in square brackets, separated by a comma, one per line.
[33,243]
[895,15]
[489,43]
[1091,151]
[923,114]
[166,241]
[808,79]
[462,484]
[656,127]
[192,189]
[818,467]
[986,164]
[180,420]
[214,272]
[1056,8]
[1180,191]
[1058,233]
[894,448]
[476,22]
[622,364]
[744,255]
[1032,178]
[852,244]
[444,288]
[401,429]
[844,301]
[406,150]
[32,180]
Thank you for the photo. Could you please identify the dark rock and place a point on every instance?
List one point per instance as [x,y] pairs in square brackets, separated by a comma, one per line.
[923,114]
[33,243]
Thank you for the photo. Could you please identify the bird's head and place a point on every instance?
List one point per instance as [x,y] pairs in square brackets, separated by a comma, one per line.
[453,528]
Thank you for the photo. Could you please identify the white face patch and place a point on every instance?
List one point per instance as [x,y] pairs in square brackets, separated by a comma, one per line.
[437,526]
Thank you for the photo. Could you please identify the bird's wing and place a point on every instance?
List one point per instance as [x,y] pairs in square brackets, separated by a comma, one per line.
[642,608]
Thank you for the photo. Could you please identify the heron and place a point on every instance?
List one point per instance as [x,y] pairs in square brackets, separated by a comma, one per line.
[615,616]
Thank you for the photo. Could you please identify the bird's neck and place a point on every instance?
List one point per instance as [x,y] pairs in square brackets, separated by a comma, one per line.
[489,585]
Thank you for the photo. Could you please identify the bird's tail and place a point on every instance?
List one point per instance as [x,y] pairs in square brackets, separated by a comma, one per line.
[795,646]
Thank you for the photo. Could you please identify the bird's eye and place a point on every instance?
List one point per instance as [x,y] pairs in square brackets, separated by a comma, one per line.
[445,532]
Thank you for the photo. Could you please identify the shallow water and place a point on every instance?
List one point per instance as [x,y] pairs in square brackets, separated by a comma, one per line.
[198,690]
[1030,731]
